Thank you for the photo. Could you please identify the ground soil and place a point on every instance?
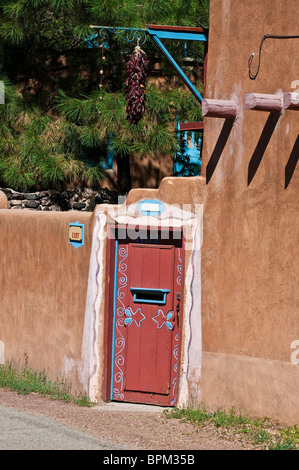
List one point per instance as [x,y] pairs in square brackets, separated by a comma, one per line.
[137,430]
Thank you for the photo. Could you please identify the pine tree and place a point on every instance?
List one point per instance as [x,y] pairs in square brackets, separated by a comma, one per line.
[38,150]
[53,101]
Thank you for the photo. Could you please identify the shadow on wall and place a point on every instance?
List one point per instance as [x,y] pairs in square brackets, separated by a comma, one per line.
[219,147]
[262,145]
[291,164]
[258,153]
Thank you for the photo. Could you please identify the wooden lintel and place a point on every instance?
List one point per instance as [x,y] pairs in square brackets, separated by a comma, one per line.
[291,100]
[183,29]
[263,102]
[191,126]
[219,108]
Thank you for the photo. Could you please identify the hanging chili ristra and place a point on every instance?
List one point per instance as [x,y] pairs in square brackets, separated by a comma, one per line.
[135,85]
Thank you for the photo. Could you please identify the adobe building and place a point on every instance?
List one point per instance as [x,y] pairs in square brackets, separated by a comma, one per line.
[250,271]
[188,293]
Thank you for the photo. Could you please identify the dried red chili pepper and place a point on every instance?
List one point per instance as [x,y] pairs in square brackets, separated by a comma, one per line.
[135,85]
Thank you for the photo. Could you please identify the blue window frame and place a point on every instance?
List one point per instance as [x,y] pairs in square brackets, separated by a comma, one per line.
[187,161]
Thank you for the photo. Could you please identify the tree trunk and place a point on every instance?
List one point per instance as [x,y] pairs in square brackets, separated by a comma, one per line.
[123,174]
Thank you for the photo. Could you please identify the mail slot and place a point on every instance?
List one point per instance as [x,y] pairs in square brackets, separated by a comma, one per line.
[149,296]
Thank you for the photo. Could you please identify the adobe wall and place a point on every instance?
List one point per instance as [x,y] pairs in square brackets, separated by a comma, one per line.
[241,328]
[3,201]
[43,283]
[250,269]
[182,199]
[53,296]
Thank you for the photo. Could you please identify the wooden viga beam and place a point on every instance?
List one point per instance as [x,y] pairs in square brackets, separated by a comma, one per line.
[264,102]
[219,108]
[291,100]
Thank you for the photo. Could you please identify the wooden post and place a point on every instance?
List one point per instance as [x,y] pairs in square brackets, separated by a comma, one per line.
[263,102]
[219,108]
[291,100]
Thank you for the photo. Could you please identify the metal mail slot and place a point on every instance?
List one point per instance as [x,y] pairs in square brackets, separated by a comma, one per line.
[149,296]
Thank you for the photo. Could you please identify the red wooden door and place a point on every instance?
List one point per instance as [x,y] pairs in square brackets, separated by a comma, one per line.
[146,324]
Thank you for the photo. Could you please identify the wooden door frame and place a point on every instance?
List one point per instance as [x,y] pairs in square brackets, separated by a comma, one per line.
[111,276]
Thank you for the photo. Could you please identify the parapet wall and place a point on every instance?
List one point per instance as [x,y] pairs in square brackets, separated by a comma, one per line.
[52,303]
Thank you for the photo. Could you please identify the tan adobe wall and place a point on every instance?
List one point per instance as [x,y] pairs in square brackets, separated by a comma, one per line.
[43,283]
[52,303]
[250,270]
[3,201]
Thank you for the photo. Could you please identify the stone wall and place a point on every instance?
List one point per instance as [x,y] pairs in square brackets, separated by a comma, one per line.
[52,200]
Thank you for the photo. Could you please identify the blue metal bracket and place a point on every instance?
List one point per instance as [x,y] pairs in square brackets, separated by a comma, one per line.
[162,32]
[177,68]
[178,33]
[185,34]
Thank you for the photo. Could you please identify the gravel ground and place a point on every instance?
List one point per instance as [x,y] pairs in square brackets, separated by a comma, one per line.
[140,430]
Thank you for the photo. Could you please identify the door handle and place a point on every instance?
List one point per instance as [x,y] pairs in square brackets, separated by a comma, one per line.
[178,296]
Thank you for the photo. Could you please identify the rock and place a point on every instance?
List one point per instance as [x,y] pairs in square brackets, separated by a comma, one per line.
[15,202]
[32,196]
[58,200]
[32,204]
[88,193]
[70,193]
[79,205]
[72,199]
[7,191]
[45,201]
[16,195]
